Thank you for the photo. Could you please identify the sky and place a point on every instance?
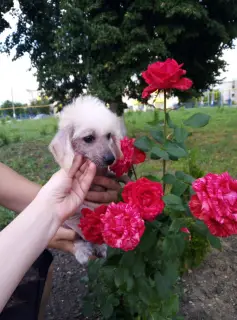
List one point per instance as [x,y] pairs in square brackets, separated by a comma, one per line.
[16,78]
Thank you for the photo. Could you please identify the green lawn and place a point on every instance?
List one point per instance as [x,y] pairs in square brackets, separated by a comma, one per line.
[23,145]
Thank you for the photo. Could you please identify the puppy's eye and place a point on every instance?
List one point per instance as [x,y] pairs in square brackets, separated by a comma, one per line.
[89,139]
[108,136]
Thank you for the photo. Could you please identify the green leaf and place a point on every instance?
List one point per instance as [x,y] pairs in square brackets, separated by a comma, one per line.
[145,291]
[130,283]
[113,260]
[171,306]
[162,287]
[197,120]
[177,224]
[174,245]
[164,282]
[157,153]
[172,272]
[87,308]
[139,266]
[143,143]
[173,158]
[155,315]
[180,134]
[169,178]
[179,188]
[107,310]
[175,150]
[169,121]
[214,241]
[158,135]
[201,228]
[113,300]
[152,178]
[148,240]
[184,176]
[119,277]
[127,259]
[174,202]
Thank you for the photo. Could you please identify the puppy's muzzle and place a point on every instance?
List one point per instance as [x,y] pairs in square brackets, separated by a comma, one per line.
[108,159]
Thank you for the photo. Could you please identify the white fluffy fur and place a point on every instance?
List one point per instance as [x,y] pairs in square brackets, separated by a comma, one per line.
[88,112]
[85,115]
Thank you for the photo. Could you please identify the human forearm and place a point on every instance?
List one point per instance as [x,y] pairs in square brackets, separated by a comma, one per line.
[16,192]
[21,242]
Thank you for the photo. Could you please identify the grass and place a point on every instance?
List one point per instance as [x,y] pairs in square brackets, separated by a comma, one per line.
[24,144]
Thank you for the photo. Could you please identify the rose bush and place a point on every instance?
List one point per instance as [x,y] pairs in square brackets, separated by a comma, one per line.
[162,225]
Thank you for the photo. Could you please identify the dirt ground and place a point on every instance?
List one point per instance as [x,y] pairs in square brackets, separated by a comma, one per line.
[210,290]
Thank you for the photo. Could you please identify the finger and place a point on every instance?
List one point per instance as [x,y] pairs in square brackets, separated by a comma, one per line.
[84,180]
[62,245]
[66,246]
[107,183]
[93,258]
[107,196]
[76,164]
[65,234]
[93,205]
[124,179]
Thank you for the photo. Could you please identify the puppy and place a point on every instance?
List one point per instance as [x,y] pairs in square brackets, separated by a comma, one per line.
[89,128]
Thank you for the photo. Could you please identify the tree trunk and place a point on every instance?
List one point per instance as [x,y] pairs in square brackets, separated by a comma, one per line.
[118,107]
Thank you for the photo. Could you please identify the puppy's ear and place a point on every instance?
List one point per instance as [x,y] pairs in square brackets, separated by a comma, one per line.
[116,147]
[61,148]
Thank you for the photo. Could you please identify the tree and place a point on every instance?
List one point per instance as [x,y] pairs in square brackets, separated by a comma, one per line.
[5,6]
[6,108]
[102,46]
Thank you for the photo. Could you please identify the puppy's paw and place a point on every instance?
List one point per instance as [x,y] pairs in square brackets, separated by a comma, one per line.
[83,251]
[100,250]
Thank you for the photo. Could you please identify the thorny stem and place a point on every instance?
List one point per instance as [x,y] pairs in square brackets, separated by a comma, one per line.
[165,135]
[134,172]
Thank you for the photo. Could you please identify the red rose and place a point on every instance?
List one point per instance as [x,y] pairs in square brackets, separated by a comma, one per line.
[122,226]
[131,155]
[91,225]
[215,202]
[165,75]
[146,195]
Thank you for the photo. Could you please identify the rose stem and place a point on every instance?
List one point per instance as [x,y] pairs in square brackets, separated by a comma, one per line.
[134,172]
[165,134]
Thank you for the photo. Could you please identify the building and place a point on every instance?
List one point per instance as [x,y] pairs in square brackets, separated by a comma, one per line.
[228,90]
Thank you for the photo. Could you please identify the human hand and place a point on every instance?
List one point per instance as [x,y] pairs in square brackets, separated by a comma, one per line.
[63,240]
[108,192]
[65,192]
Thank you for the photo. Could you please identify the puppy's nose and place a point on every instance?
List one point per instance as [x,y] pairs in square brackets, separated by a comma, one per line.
[109,159]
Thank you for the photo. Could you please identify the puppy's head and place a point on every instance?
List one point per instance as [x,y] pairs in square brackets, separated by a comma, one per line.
[88,128]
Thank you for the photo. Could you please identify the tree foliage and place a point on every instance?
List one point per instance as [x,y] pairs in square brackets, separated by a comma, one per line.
[5,6]
[103,45]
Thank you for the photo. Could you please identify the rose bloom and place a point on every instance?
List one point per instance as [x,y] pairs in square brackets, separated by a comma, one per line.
[215,202]
[165,75]
[122,226]
[146,195]
[131,155]
[91,225]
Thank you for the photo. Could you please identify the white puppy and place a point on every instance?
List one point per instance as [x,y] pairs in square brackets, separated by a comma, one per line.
[89,128]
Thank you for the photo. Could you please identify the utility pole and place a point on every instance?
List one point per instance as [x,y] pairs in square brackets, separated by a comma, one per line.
[13,106]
